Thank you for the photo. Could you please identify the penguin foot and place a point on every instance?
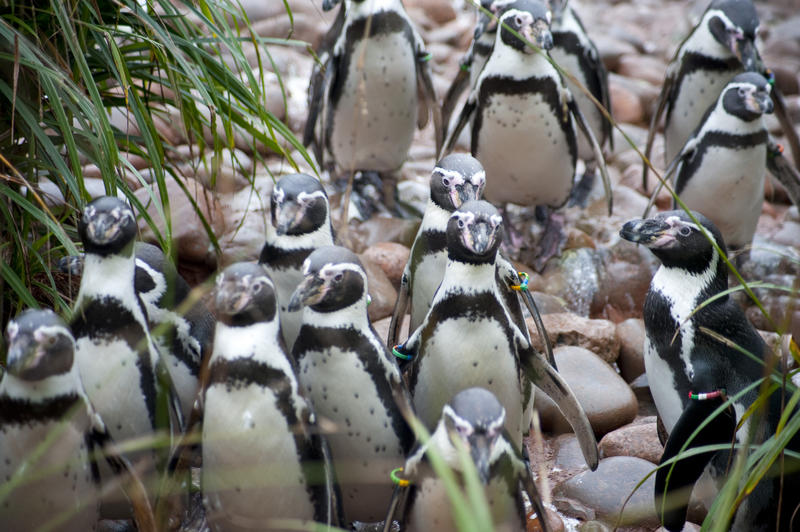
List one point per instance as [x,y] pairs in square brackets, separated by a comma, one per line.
[582,189]
[552,241]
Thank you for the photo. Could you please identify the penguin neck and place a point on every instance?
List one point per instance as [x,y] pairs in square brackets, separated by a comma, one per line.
[62,384]
[354,315]
[507,62]
[111,275]
[435,218]
[702,41]
[322,236]
[368,7]
[258,341]
[723,121]
[681,284]
[461,277]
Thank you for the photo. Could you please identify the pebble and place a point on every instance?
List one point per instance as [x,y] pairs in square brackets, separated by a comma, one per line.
[631,348]
[598,336]
[607,400]
[636,439]
[606,489]
[380,288]
[391,257]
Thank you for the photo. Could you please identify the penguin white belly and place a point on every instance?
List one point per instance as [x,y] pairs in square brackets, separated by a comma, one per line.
[427,278]
[728,188]
[375,117]
[363,445]
[524,152]
[432,509]
[593,117]
[251,469]
[459,355]
[185,383]
[697,92]
[286,281]
[663,388]
[57,488]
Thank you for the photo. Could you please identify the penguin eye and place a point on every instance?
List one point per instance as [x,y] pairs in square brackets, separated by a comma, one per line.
[446,181]
[684,231]
[742,92]
[338,277]
[460,223]
[518,20]
[51,340]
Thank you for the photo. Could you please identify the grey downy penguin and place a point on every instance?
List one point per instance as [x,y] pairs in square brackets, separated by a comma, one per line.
[49,434]
[351,380]
[694,369]
[522,107]
[120,367]
[373,91]
[263,457]
[300,222]
[469,338]
[475,419]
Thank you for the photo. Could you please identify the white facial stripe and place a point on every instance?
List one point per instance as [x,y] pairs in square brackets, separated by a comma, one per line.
[306,266]
[466,217]
[41,334]
[278,195]
[498,423]
[306,198]
[456,178]
[331,270]
[496,220]
[158,280]
[123,212]
[11,330]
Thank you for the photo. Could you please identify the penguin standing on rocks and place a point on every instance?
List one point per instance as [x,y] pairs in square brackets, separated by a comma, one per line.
[468,337]
[475,418]
[693,369]
[119,364]
[368,100]
[522,107]
[49,432]
[262,457]
[720,170]
[300,222]
[457,178]
[351,380]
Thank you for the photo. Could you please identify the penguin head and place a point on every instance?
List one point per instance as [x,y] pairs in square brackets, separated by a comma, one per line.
[107,227]
[245,295]
[487,17]
[476,418]
[531,20]
[747,96]
[70,264]
[298,205]
[734,24]
[40,345]
[558,7]
[474,233]
[327,5]
[333,279]
[457,178]
[675,239]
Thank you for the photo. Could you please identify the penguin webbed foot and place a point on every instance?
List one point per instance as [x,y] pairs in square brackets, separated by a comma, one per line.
[583,188]
[552,241]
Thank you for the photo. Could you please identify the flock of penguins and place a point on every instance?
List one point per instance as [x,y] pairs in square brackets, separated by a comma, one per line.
[286,401]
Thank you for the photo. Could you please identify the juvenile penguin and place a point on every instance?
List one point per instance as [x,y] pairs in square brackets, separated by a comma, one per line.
[117,360]
[468,337]
[721,169]
[693,368]
[475,419]
[263,459]
[721,46]
[48,431]
[300,222]
[457,178]
[522,106]
[369,96]
[351,380]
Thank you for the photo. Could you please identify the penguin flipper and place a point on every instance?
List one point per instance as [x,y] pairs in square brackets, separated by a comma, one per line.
[400,308]
[528,485]
[463,118]
[663,99]
[399,496]
[457,87]
[674,482]
[426,89]
[544,376]
[787,125]
[783,171]
[598,152]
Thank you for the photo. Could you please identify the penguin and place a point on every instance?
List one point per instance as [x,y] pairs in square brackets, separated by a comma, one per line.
[262,453]
[300,222]
[694,366]
[721,46]
[721,169]
[456,178]
[351,380]
[368,98]
[119,365]
[475,419]
[576,53]
[49,433]
[468,337]
[520,102]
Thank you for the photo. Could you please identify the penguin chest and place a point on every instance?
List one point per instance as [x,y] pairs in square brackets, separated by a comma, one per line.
[56,484]
[251,463]
[663,386]
[427,278]
[696,92]
[461,353]
[728,187]
[364,445]
[374,118]
[525,147]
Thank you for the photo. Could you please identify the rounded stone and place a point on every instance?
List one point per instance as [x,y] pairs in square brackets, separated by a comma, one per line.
[638,439]
[391,257]
[598,336]
[631,348]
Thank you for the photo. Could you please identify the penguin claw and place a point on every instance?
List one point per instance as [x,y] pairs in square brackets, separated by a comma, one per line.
[551,244]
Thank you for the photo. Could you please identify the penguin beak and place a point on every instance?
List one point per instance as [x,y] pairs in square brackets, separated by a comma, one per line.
[480,449]
[327,5]
[310,292]
[542,37]
[745,50]
[287,217]
[103,229]
[232,298]
[759,102]
[479,237]
[24,357]
[652,232]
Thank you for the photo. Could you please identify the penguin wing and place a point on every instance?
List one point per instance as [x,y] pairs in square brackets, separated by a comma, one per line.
[466,112]
[457,87]
[401,306]
[783,171]
[527,484]
[600,74]
[598,152]
[674,479]
[428,101]
[663,98]
[550,382]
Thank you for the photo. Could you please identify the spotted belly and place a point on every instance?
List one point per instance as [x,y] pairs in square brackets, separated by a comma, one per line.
[374,119]
[524,151]
[251,464]
[460,353]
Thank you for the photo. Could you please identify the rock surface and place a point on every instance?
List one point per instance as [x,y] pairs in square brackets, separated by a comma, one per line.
[639,440]
[598,336]
[631,348]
